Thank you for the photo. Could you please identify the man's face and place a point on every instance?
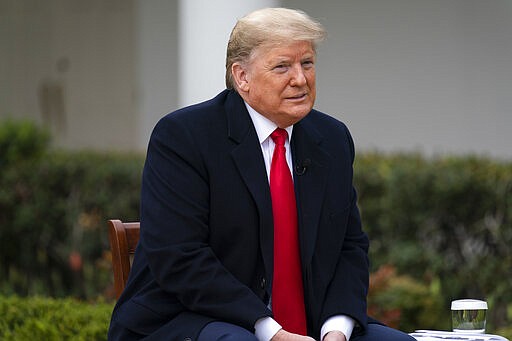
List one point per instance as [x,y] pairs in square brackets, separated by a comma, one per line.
[279,82]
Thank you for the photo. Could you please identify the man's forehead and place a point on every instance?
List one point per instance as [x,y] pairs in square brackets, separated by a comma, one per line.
[276,49]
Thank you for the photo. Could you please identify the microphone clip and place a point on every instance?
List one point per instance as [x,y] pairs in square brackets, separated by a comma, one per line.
[301,167]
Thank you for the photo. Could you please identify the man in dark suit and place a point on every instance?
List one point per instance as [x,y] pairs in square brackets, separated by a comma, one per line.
[208,265]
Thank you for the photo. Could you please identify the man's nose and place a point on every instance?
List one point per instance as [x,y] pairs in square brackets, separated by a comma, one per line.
[298,78]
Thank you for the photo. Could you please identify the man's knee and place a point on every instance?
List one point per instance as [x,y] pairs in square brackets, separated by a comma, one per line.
[222,331]
[377,332]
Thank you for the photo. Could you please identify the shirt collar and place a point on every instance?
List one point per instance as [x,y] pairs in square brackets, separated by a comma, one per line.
[264,127]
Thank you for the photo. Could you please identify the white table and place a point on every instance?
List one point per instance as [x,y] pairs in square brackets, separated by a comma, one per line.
[437,335]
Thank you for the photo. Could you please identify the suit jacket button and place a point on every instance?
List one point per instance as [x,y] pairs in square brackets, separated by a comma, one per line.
[187,339]
[263,283]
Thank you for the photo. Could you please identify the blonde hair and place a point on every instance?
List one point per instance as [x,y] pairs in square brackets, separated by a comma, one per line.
[266,27]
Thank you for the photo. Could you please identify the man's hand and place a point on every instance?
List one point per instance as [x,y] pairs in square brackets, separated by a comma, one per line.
[283,335]
[334,336]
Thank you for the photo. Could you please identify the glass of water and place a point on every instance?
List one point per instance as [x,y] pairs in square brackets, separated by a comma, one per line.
[469,316]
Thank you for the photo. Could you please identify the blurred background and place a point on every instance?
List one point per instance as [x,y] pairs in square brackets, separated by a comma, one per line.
[425,87]
[426,75]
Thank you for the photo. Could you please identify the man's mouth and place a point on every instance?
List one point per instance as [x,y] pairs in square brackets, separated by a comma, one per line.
[297,97]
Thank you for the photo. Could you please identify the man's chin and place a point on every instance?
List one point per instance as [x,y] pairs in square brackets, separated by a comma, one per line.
[300,111]
[293,117]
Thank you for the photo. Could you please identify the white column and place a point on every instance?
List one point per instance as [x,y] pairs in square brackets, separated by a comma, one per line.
[205,26]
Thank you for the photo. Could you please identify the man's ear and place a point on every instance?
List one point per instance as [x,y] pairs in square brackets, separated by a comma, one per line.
[240,76]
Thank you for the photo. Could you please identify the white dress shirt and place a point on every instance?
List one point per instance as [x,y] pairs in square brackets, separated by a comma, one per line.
[267,327]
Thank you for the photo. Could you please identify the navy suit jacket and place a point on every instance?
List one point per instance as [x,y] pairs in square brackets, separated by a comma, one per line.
[206,242]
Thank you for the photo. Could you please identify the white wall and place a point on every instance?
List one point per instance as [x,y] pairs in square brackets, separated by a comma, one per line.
[70,66]
[156,67]
[427,75]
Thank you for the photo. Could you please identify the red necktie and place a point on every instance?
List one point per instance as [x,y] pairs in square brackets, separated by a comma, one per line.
[287,287]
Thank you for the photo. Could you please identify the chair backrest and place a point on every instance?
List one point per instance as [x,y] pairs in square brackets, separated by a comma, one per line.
[123,241]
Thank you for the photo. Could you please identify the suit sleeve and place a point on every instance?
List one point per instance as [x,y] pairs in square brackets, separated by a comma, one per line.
[175,214]
[349,286]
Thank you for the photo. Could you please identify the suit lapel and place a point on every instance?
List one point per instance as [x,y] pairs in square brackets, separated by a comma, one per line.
[249,161]
[311,185]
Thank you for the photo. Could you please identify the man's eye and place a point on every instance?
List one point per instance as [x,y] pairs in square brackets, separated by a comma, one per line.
[308,63]
[280,67]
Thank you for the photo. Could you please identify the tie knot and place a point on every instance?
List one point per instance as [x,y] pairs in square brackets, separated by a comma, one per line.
[279,136]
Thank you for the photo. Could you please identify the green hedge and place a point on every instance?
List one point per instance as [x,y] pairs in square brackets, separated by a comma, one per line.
[440,228]
[446,222]
[53,211]
[38,318]
[21,140]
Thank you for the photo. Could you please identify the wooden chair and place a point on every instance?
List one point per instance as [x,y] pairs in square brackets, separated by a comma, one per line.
[123,240]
